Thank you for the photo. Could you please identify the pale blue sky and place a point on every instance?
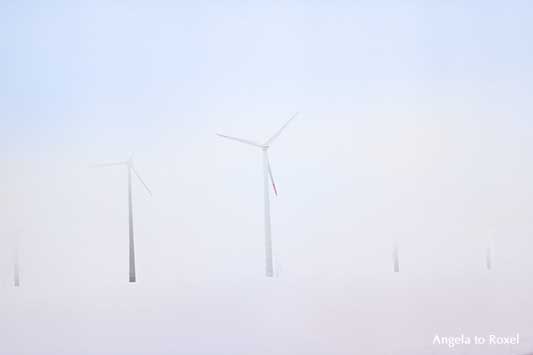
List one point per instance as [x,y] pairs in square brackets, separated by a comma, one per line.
[73,69]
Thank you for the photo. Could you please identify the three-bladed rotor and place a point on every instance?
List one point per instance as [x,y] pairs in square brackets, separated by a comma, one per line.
[265,146]
[129,164]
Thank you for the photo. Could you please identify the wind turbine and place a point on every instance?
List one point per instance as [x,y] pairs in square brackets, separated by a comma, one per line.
[129,165]
[267,175]
[396,257]
[490,255]
[16,267]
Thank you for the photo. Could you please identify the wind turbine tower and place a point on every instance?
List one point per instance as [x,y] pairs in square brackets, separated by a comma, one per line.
[396,257]
[490,256]
[16,267]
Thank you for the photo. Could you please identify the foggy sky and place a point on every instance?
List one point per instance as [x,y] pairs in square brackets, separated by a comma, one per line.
[414,127]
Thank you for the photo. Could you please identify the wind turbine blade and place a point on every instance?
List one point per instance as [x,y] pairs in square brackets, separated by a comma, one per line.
[272,178]
[277,134]
[141,180]
[245,141]
[108,164]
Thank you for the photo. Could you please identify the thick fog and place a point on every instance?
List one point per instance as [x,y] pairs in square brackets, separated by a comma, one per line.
[414,128]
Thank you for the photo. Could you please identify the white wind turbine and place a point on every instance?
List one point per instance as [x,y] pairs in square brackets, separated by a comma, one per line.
[16,266]
[396,257]
[129,165]
[489,257]
[267,175]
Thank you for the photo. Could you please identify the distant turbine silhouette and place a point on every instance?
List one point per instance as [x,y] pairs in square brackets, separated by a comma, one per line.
[267,179]
[396,257]
[129,165]
[489,256]
[16,267]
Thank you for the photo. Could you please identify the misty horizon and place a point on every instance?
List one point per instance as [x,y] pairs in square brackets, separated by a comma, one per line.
[414,130]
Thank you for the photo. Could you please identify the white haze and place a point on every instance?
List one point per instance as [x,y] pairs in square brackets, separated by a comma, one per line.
[411,129]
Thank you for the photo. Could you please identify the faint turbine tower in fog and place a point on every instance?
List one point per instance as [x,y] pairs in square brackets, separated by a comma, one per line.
[16,266]
[129,165]
[489,255]
[267,175]
[396,257]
